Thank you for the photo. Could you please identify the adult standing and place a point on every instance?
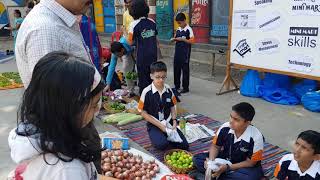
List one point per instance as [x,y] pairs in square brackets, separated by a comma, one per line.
[52,26]
[16,24]
[127,18]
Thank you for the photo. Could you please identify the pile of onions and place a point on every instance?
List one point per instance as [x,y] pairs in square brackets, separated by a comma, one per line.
[124,165]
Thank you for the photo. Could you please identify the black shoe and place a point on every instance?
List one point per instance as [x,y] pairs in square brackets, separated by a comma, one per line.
[184,91]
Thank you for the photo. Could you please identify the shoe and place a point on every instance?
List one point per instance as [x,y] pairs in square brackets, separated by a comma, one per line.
[176,92]
[184,91]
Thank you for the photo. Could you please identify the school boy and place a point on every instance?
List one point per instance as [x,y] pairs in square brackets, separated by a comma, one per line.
[304,162]
[184,38]
[143,32]
[158,107]
[238,142]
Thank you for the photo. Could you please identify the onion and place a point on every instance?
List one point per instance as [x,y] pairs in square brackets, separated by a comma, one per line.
[143,177]
[116,153]
[138,178]
[148,175]
[137,166]
[128,166]
[107,160]
[138,160]
[119,169]
[143,172]
[116,174]
[114,169]
[156,169]
[124,161]
[119,164]
[131,176]
[126,174]
[149,166]
[109,174]
[103,154]
[132,160]
[106,167]
[152,173]
[125,154]
[133,169]
[120,176]
[109,154]
[120,153]
[138,173]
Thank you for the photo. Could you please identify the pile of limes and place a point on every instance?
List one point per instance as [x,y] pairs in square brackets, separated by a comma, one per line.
[179,159]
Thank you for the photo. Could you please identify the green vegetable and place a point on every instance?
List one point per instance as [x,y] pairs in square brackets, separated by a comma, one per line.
[131,75]
[4,82]
[132,119]
[118,106]
[13,75]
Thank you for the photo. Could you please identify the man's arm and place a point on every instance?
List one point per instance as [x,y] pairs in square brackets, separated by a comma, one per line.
[41,42]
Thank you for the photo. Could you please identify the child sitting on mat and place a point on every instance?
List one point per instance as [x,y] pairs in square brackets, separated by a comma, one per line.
[158,106]
[238,143]
[304,162]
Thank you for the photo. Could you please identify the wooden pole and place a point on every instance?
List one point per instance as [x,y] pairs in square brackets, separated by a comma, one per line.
[228,80]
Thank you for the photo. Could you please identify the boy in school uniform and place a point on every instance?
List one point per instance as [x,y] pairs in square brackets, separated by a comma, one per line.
[143,32]
[184,38]
[304,162]
[158,107]
[238,142]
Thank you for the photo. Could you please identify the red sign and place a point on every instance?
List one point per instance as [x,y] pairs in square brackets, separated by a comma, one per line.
[200,12]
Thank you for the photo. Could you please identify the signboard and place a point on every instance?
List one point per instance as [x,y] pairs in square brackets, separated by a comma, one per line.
[279,36]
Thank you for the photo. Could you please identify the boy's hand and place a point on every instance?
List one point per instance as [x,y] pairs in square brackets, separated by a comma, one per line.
[174,125]
[106,89]
[223,168]
[173,39]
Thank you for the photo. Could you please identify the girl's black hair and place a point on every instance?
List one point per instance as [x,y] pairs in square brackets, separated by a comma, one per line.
[138,9]
[17,11]
[55,102]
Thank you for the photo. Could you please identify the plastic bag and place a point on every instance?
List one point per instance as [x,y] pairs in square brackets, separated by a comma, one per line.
[276,80]
[304,87]
[311,101]
[250,84]
[278,96]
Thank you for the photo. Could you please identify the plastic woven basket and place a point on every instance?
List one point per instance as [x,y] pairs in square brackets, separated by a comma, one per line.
[176,169]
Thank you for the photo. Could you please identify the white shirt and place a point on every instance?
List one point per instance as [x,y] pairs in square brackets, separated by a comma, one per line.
[48,27]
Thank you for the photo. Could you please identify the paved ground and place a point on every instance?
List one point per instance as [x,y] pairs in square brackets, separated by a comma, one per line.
[279,124]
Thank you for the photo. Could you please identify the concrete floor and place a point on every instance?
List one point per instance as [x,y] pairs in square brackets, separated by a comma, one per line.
[279,124]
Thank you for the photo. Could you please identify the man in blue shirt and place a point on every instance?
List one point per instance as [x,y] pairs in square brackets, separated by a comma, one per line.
[121,50]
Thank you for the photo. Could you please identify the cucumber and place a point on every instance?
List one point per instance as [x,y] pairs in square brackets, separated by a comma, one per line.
[132,119]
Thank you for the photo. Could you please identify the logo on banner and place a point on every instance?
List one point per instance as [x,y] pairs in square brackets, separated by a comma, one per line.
[245,19]
[268,46]
[200,2]
[270,21]
[306,7]
[301,63]
[262,3]
[242,47]
[303,37]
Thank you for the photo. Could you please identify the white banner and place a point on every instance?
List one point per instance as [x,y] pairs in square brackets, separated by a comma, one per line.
[280,35]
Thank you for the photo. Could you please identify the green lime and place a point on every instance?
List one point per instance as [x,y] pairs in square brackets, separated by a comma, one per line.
[167,157]
[181,158]
[169,161]
[174,153]
[190,166]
